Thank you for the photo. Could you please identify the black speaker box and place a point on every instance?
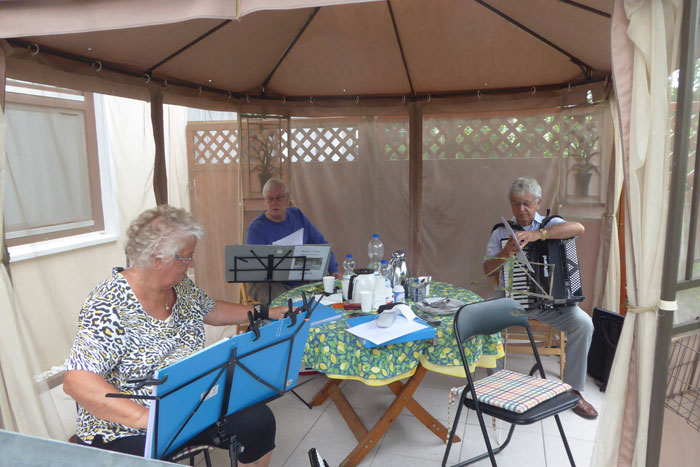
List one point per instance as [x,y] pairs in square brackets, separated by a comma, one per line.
[607,329]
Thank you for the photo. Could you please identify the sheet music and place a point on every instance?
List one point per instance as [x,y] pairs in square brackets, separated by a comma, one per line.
[294,238]
[316,258]
[520,255]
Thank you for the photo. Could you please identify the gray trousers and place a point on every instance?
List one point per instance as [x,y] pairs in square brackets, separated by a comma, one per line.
[578,327]
[260,292]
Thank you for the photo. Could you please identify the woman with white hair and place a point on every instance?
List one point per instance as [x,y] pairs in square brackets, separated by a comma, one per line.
[144,318]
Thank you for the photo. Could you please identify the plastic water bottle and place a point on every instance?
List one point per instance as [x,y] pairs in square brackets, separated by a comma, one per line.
[348,266]
[375,251]
[388,291]
[399,294]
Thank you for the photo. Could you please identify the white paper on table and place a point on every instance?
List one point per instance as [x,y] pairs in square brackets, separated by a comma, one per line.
[520,255]
[331,299]
[405,310]
[377,335]
[294,238]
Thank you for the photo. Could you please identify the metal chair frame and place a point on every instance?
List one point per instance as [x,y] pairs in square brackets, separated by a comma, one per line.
[491,317]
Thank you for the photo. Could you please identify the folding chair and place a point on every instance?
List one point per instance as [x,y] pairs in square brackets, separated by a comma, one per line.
[515,398]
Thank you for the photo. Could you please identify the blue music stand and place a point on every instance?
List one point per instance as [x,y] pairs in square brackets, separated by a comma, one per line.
[204,389]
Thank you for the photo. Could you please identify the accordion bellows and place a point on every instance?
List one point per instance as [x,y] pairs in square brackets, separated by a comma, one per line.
[555,281]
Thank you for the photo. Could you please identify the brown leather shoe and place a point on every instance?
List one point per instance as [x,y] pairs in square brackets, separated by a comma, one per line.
[585,410]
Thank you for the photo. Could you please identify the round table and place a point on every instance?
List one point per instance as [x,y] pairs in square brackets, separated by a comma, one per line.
[339,354]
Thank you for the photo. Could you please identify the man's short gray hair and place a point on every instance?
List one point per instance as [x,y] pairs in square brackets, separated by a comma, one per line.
[160,233]
[524,185]
[273,182]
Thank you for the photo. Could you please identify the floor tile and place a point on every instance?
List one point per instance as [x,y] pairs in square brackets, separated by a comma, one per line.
[409,437]
[525,449]
[556,453]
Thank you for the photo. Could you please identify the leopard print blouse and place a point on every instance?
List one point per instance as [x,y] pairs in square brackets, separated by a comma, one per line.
[119,341]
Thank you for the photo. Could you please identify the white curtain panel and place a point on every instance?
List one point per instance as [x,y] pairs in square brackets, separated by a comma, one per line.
[24,404]
[611,282]
[653,33]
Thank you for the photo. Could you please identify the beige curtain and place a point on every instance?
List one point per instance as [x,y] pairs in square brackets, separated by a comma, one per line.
[24,404]
[607,290]
[653,34]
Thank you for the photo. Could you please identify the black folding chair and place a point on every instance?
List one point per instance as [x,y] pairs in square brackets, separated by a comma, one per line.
[490,317]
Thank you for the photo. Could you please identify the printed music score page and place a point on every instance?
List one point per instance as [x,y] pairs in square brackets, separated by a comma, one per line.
[520,255]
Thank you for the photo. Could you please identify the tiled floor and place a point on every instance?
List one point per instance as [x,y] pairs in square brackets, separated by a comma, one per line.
[408,443]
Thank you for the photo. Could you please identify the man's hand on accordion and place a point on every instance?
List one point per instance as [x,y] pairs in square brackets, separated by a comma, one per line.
[527,236]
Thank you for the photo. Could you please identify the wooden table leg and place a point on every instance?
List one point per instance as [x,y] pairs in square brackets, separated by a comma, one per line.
[332,389]
[324,392]
[351,418]
[370,440]
[423,415]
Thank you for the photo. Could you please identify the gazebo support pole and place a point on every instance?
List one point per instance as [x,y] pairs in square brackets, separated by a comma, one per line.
[669,277]
[415,184]
[160,178]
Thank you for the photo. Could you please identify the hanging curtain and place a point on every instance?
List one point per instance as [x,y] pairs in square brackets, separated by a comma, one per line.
[652,34]
[607,290]
[23,402]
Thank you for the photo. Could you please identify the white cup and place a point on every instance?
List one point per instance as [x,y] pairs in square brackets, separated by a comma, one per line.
[328,284]
[366,301]
[346,285]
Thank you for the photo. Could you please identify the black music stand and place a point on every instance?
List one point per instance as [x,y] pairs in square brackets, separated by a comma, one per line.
[276,263]
[197,393]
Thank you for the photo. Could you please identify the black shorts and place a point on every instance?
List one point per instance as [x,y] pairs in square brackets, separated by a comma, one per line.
[254,428]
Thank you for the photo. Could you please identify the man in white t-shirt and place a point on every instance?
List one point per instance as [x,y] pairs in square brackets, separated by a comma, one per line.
[525,195]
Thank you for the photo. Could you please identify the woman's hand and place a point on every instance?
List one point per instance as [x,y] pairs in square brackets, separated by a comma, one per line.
[277,312]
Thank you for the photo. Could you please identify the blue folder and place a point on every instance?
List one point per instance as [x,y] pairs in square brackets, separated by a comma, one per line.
[266,368]
[421,334]
[322,314]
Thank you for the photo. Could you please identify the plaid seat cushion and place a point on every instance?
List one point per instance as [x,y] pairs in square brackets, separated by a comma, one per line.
[516,392]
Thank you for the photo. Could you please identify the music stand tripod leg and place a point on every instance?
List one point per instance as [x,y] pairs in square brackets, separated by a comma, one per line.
[234,448]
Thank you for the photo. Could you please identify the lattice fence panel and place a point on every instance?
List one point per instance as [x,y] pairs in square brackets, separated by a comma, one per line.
[492,138]
[321,143]
[394,139]
[215,146]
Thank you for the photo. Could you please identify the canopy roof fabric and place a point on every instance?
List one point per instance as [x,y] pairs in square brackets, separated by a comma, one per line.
[300,49]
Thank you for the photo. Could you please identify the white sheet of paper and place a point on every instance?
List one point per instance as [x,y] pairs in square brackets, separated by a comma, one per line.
[332,299]
[405,310]
[520,255]
[316,258]
[377,335]
[294,238]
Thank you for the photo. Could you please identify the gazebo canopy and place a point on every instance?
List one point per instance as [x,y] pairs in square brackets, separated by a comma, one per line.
[297,50]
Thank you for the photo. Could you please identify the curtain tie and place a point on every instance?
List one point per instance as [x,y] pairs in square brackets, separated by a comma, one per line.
[641,309]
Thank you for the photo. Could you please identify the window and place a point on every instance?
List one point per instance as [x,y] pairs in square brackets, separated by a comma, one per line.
[52,187]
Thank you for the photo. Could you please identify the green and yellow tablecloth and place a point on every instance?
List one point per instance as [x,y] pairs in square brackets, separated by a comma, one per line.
[339,354]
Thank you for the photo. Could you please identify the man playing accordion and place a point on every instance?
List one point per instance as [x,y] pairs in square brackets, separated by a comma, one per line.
[525,195]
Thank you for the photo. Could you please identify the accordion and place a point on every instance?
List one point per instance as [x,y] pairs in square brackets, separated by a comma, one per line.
[555,280]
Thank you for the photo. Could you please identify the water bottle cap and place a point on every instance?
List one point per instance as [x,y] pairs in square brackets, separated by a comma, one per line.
[375,235]
[348,255]
[384,261]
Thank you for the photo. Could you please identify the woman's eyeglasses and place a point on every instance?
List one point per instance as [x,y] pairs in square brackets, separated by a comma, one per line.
[187,261]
